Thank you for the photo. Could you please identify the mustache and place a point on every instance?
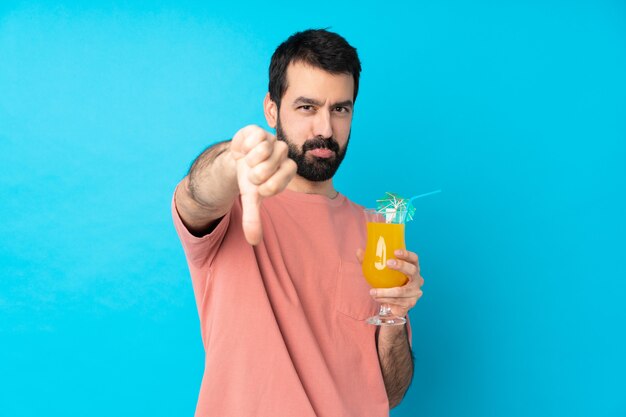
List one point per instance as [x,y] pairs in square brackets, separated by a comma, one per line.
[319,142]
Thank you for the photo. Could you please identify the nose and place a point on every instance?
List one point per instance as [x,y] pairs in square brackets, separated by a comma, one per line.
[321,125]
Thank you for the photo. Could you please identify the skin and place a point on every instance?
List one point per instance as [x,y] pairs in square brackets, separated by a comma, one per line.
[255,165]
[315,103]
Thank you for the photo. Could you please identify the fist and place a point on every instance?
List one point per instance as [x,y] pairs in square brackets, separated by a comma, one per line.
[263,170]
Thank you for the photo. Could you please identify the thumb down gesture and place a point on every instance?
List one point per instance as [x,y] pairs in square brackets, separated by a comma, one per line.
[263,170]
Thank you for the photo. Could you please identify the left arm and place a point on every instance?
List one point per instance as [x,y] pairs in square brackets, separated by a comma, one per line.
[394,351]
[396,362]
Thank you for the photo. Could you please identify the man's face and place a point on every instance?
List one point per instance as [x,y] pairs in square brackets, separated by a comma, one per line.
[314,119]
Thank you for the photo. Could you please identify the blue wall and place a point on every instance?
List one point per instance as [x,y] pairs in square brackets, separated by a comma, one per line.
[515,109]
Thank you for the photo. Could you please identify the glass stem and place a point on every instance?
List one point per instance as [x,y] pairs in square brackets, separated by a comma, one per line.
[384,311]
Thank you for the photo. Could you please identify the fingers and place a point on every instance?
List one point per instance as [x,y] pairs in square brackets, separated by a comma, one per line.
[405,297]
[395,292]
[407,263]
[267,161]
[406,268]
[405,302]
[248,138]
[407,256]
[273,156]
[277,182]
[263,169]
[259,153]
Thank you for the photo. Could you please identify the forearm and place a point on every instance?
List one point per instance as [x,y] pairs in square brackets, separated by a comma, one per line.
[396,362]
[209,189]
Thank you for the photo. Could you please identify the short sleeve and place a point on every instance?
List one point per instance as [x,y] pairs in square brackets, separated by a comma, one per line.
[199,251]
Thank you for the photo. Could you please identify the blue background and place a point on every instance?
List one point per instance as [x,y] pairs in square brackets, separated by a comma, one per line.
[515,109]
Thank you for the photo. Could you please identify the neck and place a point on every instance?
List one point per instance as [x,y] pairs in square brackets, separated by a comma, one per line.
[301,185]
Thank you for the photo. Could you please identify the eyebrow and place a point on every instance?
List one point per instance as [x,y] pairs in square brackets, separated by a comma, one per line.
[313,102]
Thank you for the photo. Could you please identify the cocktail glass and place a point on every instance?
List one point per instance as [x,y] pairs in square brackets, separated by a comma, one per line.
[385,234]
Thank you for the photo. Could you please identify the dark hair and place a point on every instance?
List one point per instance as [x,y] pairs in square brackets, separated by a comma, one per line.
[318,48]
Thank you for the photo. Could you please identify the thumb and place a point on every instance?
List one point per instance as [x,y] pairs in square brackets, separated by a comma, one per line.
[251,217]
[360,255]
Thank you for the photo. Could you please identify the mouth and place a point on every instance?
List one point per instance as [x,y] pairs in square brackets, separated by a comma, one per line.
[321,153]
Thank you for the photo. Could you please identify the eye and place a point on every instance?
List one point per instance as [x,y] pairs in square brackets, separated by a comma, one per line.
[306,107]
[341,109]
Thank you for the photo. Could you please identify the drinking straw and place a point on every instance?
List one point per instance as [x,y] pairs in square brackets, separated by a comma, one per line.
[423,195]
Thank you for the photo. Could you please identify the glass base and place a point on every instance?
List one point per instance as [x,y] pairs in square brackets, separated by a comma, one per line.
[386,320]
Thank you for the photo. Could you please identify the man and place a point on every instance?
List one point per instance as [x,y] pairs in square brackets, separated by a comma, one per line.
[274,254]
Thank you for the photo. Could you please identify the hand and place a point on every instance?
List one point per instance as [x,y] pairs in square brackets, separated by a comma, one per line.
[263,170]
[400,299]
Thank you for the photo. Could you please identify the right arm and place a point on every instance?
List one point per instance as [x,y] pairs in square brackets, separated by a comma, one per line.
[208,191]
[253,164]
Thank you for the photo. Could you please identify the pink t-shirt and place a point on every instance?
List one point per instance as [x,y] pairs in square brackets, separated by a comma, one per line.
[283,322]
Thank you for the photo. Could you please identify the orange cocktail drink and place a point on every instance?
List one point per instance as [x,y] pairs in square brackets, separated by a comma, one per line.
[382,240]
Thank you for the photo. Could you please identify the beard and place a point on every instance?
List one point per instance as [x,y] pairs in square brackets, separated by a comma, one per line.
[313,168]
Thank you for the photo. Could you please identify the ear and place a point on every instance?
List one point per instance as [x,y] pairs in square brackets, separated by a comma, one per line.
[271,111]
